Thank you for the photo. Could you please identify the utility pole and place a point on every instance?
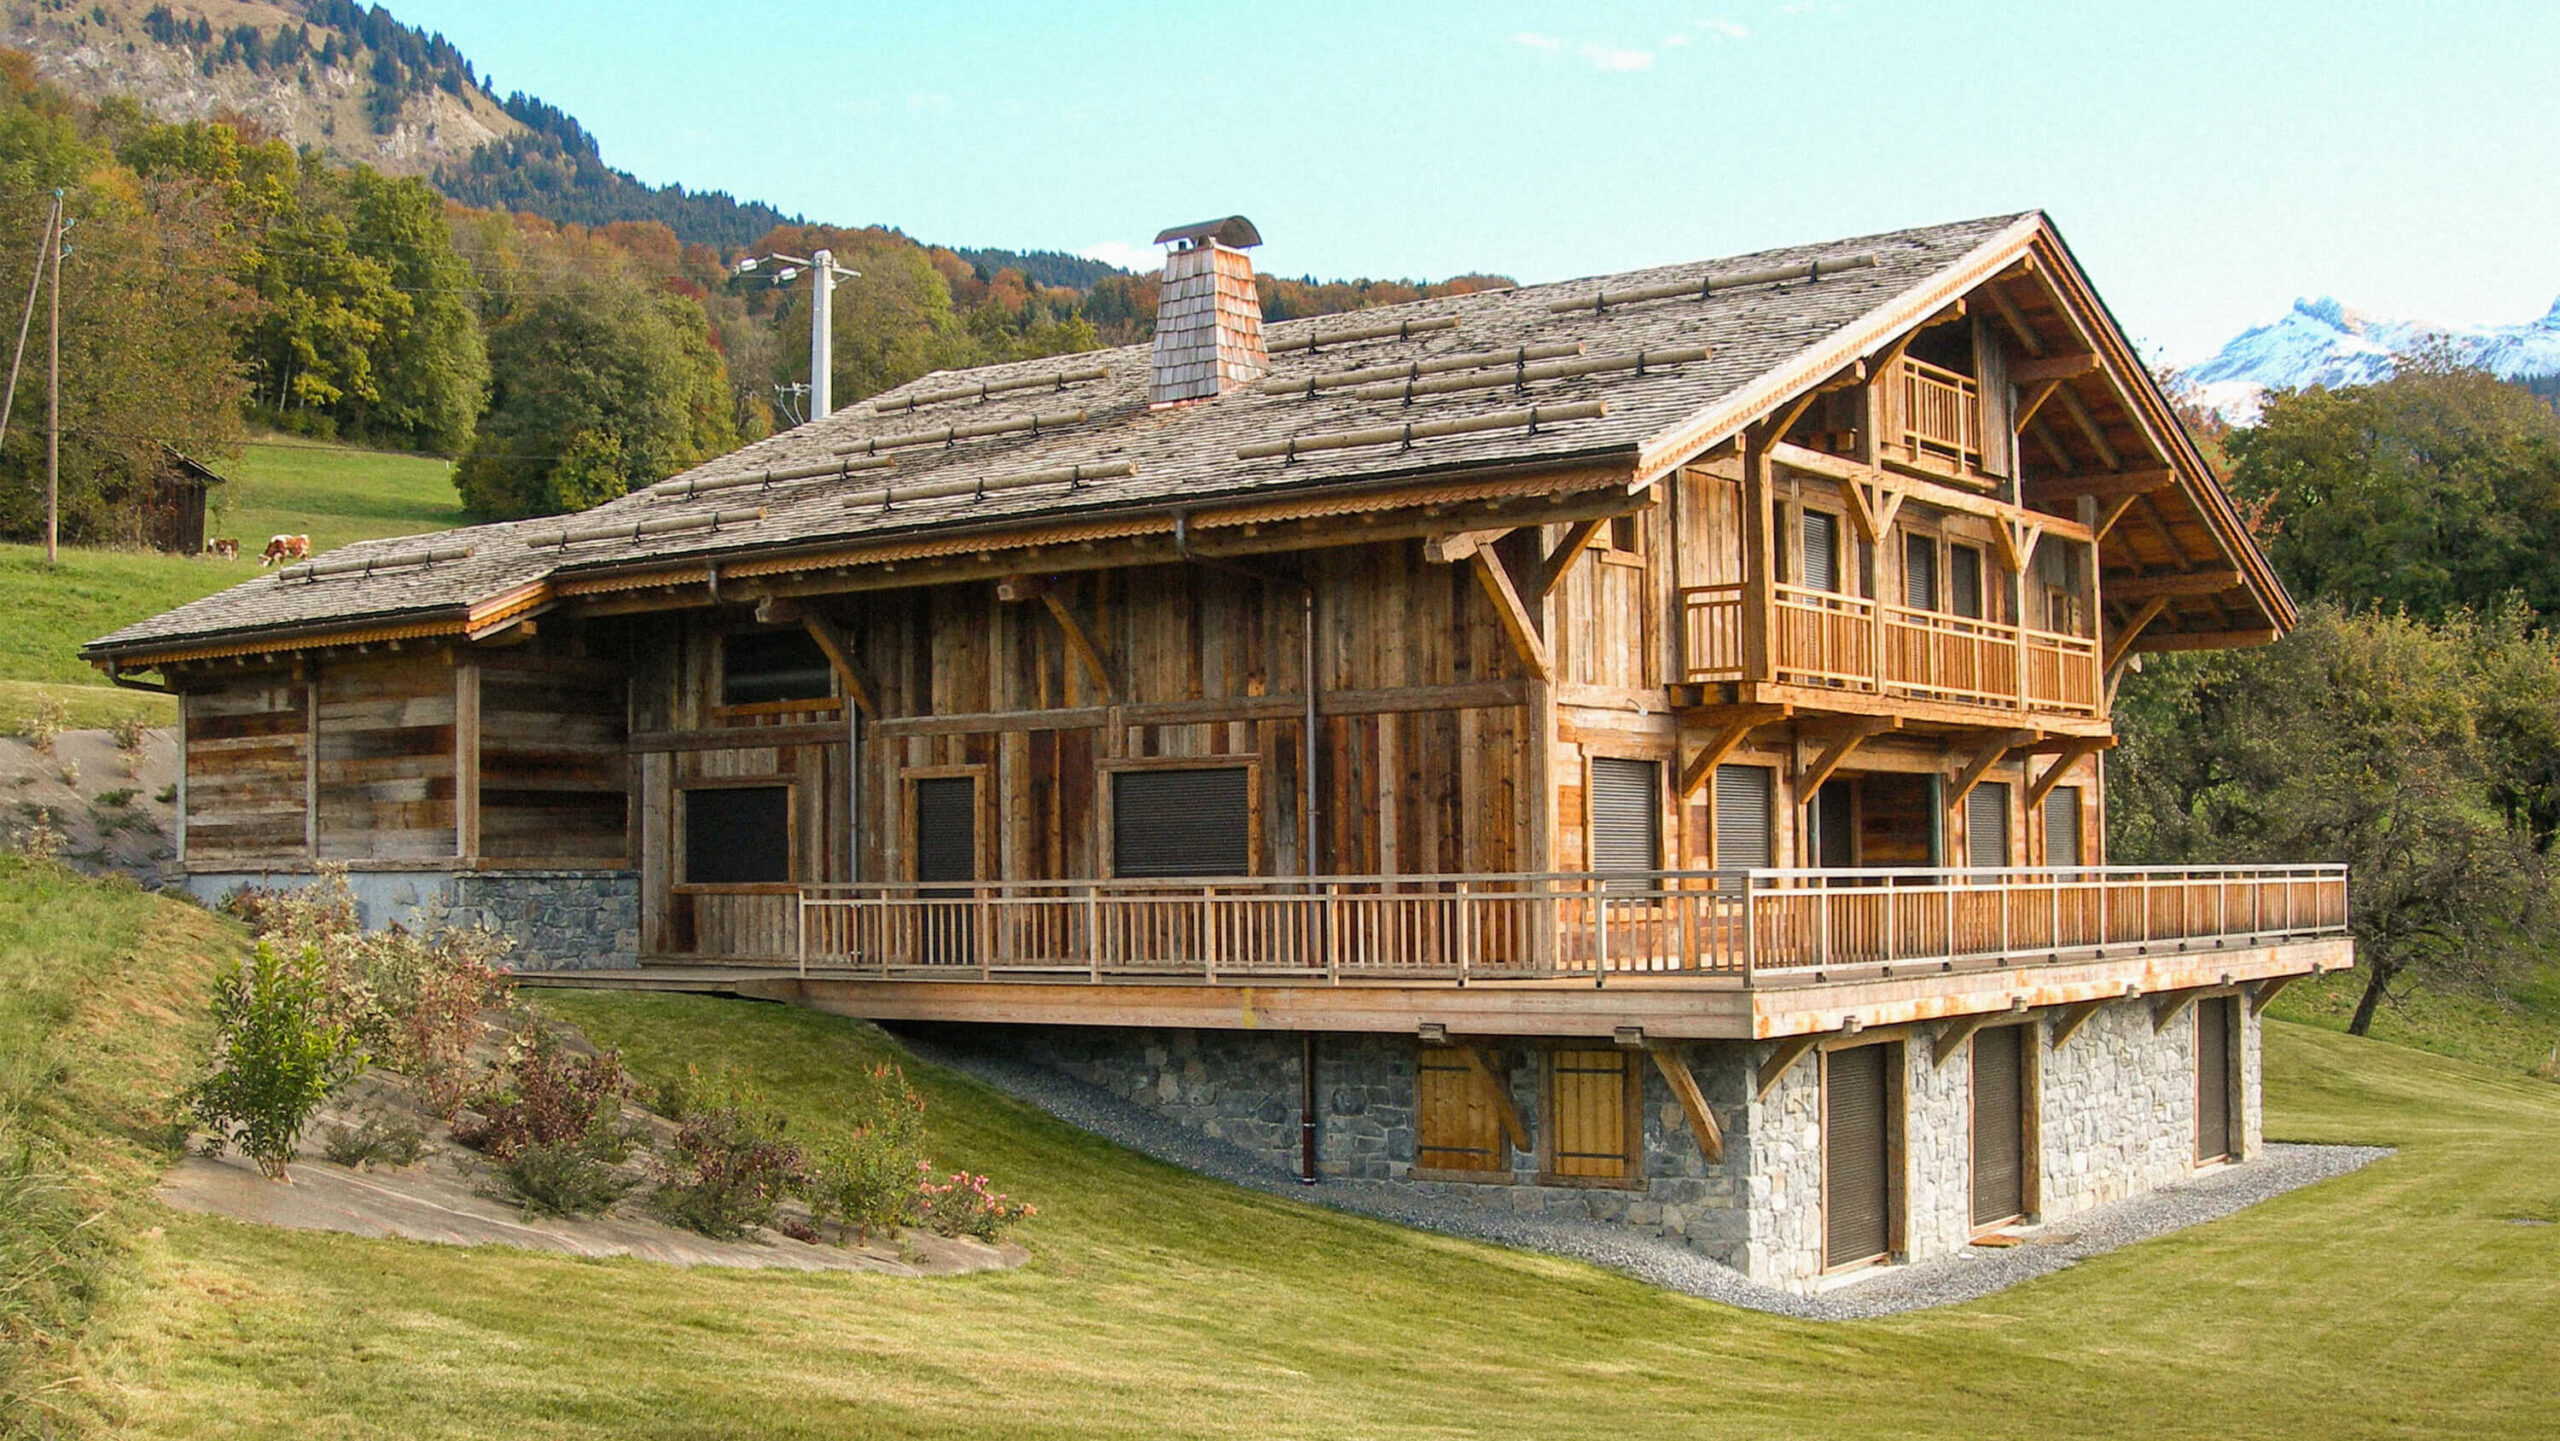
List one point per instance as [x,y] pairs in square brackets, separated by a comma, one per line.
[823,275]
[26,321]
[53,406]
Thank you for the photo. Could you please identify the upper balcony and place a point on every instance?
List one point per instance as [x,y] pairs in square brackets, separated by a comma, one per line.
[1849,643]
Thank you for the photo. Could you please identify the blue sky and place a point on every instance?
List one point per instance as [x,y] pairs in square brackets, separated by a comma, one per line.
[2208,162]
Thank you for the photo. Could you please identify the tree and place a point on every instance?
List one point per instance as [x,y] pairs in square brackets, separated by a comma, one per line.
[2437,490]
[2368,738]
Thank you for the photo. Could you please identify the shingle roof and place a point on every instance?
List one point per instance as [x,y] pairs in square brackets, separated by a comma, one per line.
[1180,455]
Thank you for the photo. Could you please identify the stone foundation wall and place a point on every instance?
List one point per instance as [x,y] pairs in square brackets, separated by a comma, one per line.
[559,920]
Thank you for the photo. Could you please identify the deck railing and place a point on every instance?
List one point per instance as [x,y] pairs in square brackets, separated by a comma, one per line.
[1941,413]
[1747,924]
[1847,642]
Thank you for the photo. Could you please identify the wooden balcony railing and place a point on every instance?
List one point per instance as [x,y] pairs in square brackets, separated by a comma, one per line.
[1490,928]
[1826,639]
[1941,414]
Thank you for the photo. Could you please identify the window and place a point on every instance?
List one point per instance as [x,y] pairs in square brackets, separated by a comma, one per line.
[1626,815]
[1964,581]
[1743,831]
[1457,1123]
[2062,826]
[1986,825]
[1592,1117]
[737,835]
[1191,822]
[760,667]
[1623,534]
[1920,572]
[1821,551]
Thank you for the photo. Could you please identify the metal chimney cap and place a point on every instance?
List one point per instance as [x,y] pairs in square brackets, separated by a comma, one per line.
[1235,232]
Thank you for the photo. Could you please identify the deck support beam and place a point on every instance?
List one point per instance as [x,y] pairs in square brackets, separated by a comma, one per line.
[1790,1050]
[1727,739]
[2167,1009]
[1498,1083]
[1684,1085]
[1551,571]
[2072,1019]
[1993,750]
[2070,755]
[2265,991]
[1843,742]
[1517,621]
[1953,1035]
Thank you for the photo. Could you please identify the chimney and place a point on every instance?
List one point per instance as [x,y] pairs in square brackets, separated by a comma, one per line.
[1208,318]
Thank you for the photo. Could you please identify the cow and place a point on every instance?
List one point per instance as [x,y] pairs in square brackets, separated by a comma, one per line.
[282,548]
[226,548]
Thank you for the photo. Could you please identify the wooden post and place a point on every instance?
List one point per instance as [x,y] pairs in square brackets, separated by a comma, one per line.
[466,765]
[1759,562]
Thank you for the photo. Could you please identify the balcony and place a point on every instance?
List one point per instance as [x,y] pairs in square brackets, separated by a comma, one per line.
[1851,643]
[1941,416]
[1745,927]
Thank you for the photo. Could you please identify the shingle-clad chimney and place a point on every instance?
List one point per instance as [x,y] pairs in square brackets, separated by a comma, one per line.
[1208,316]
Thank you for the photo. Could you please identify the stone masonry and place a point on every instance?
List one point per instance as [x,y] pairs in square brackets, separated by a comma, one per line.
[559,920]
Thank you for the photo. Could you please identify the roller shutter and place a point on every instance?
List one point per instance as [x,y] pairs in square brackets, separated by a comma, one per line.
[1743,795]
[2062,826]
[1857,1223]
[1821,551]
[1626,815]
[1919,572]
[1181,823]
[737,835]
[2213,1078]
[1999,1124]
[1986,825]
[1964,581]
[947,829]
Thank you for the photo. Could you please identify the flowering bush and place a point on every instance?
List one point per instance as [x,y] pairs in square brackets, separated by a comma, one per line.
[964,1206]
[545,1094]
[731,1168]
[870,1178]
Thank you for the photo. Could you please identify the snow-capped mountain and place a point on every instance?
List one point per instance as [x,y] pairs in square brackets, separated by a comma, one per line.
[2321,342]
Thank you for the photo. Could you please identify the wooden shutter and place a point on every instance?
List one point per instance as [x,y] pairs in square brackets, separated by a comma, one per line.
[1743,795]
[1857,1218]
[1590,1114]
[1457,1121]
[1821,551]
[2062,826]
[947,829]
[1986,824]
[1919,572]
[737,835]
[1999,1124]
[1181,822]
[1964,581]
[1626,815]
[2213,1078]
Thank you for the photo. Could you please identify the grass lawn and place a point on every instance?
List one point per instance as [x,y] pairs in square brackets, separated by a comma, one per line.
[332,493]
[2402,1300]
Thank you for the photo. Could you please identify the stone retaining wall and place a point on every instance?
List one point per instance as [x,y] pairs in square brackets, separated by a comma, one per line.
[559,920]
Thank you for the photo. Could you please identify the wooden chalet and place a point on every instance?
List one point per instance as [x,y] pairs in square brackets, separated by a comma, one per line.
[1635,722]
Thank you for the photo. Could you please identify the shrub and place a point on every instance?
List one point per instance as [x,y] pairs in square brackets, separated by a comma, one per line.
[567,1178]
[278,1057]
[380,1141]
[963,1206]
[548,1095]
[129,732]
[51,718]
[731,1168]
[118,798]
[870,1178]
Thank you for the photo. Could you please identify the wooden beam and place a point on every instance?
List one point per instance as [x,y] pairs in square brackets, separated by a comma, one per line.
[2102,487]
[2053,446]
[2018,538]
[2265,991]
[1953,1035]
[1790,1050]
[1861,514]
[2185,582]
[1727,738]
[1892,488]
[2168,1008]
[1841,745]
[1684,1086]
[1458,546]
[1984,759]
[1499,1085]
[1517,622]
[2080,749]
[2069,365]
[2132,630]
[2016,318]
[2072,1019]
[839,652]
[466,761]
[1786,419]
[1552,570]
[1888,505]
[2090,430]
[2032,402]
[2115,511]
[1078,640]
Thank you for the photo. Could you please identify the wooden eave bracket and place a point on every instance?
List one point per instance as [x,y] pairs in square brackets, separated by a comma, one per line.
[2018,537]
[1079,640]
[1499,1086]
[1728,738]
[2173,583]
[839,652]
[1991,753]
[2073,1018]
[1790,1050]
[2080,748]
[2266,991]
[1953,1035]
[1551,572]
[1459,545]
[1684,1085]
[1843,742]
[2169,1007]
[1495,578]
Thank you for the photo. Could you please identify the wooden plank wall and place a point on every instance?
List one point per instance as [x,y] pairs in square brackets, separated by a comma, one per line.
[554,781]
[247,764]
[384,780]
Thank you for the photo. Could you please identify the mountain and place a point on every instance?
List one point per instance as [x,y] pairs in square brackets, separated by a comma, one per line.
[555,169]
[2321,342]
[1042,267]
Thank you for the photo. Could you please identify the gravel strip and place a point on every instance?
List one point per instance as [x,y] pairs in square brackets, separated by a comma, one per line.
[1976,1271]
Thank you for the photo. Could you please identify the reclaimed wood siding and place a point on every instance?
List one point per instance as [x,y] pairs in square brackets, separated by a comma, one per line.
[554,779]
[384,758]
[247,763]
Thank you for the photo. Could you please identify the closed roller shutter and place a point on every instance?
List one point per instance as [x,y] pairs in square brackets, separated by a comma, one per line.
[1821,551]
[1986,825]
[2213,1078]
[1626,815]
[1181,823]
[1857,1194]
[737,835]
[1964,581]
[1743,796]
[1919,572]
[1999,1124]
[947,829]
[2062,826]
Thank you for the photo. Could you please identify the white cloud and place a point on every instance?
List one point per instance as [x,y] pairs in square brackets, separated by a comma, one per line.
[1674,42]
[1536,41]
[928,100]
[1616,61]
[1725,29]
[1138,258]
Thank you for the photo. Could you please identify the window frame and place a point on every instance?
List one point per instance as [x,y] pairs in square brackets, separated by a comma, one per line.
[1106,805]
[1804,547]
[721,707]
[982,838]
[681,842]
